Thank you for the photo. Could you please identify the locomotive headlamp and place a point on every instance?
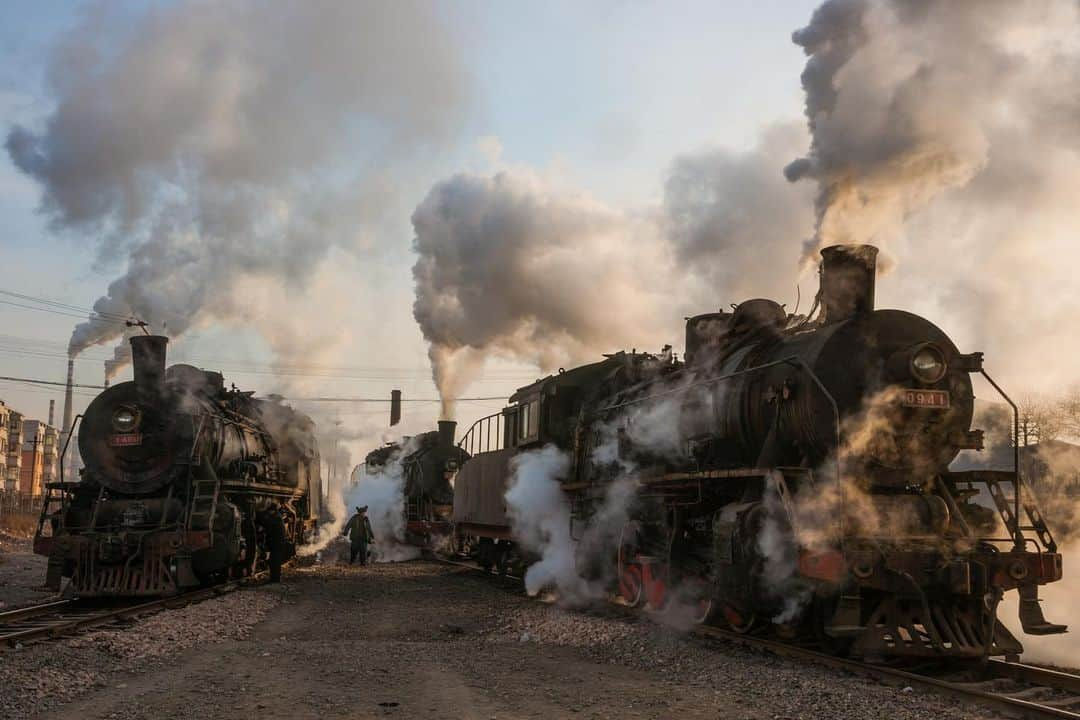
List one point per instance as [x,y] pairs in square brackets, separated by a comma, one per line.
[125,418]
[928,364]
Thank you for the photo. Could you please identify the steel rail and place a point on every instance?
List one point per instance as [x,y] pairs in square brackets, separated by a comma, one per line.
[64,617]
[1016,701]
[1062,690]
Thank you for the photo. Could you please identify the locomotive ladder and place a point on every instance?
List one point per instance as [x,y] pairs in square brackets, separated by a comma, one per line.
[207,488]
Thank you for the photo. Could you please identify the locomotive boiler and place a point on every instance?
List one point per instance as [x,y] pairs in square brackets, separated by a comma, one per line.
[792,473]
[185,482]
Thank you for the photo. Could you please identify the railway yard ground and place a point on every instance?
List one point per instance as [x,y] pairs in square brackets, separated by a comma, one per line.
[21,573]
[421,640]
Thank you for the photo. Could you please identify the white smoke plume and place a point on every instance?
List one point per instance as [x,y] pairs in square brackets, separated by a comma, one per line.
[724,212]
[203,142]
[383,493]
[906,101]
[517,266]
[510,265]
[540,519]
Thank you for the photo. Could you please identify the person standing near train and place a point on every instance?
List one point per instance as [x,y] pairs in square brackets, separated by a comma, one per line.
[358,529]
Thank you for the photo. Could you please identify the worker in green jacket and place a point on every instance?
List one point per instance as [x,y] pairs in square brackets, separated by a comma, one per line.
[358,529]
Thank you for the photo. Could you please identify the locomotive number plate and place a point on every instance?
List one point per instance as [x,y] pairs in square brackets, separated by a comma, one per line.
[926,399]
[125,439]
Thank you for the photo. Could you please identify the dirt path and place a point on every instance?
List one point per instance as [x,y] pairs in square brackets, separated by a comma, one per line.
[421,640]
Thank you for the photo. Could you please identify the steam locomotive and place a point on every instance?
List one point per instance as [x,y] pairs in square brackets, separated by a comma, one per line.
[792,473]
[428,463]
[185,483]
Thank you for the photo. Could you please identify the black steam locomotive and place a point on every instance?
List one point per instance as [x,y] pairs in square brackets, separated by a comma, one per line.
[792,472]
[428,463]
[185,483]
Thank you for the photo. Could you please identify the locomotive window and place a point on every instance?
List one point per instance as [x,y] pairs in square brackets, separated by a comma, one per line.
[534,418]
[523,422]
[528,420]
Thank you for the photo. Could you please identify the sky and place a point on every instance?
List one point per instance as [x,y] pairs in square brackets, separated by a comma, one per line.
[601,95]
[311,199]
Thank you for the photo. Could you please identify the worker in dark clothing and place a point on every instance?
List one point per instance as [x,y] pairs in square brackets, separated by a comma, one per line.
[275,541]
[358,529]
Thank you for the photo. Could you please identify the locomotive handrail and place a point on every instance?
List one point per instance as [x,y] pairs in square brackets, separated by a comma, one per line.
[63,487]
[1018,534]
[474,437]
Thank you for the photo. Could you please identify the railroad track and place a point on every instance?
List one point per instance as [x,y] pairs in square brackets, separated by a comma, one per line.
[65,617]
[1017,689]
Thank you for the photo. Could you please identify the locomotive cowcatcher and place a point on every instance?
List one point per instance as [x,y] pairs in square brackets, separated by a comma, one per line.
[185,483]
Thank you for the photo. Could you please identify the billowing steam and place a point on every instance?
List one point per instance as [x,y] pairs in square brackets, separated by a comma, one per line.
[382,491]
[908,100]
[204,143]
[516,266]
[383,494]
[540,519]
[509,265]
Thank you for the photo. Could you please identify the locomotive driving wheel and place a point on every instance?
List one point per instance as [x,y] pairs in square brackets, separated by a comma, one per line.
[740,621]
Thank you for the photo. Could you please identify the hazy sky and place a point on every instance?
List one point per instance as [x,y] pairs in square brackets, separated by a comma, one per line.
[602,95]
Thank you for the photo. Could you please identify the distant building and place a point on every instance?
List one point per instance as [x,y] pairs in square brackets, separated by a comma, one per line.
[51,470]
[14,451]
[5,411]
[39,456]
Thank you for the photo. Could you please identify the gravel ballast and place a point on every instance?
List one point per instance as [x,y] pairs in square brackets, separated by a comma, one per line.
[425,640]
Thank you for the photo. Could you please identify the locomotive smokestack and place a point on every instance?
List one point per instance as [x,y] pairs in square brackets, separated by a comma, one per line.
[148,361]
[446,432]
[848,274]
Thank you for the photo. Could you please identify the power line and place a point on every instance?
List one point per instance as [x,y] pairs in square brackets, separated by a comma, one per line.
[34,381]
[64,306]
[50,382]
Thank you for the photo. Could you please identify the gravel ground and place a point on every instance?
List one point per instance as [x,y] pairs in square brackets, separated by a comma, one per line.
[422,640]
[40,677]
[21,573]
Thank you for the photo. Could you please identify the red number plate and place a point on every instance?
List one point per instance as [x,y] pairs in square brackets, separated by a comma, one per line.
[125,439]
[926,399]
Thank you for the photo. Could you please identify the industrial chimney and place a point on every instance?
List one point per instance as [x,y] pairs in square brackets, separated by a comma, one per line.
[65,431]
[52,411]
[69,387]
[446,432]
[395,407]
[848,275]
[148,362]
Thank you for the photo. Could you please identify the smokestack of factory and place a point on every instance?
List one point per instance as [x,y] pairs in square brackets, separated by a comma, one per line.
[68,388]
[52,411]
[66,429]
